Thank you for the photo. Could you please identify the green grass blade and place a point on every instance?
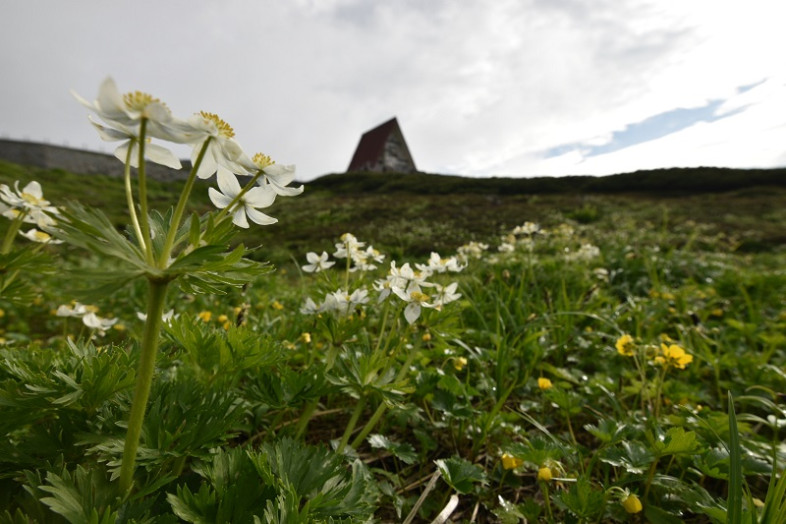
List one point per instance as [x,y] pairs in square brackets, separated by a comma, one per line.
[734,500]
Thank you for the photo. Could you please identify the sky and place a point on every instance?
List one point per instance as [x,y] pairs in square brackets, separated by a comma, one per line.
[515,88]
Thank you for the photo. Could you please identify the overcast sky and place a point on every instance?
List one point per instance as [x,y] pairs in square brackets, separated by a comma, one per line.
[480,87]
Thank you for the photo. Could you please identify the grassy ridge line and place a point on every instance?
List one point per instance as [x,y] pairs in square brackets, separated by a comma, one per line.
[414,214]
[659,181]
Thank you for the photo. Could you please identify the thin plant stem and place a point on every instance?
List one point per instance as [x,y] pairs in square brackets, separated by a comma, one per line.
[305,418]
[144,378]
[351,424]
[130,200]
[372,422]
[144,222]
[180,208]
[10,234]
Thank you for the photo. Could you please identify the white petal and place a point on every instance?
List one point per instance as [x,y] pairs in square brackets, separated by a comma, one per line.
[208,165]
[110,102]
[219,200]
[162,155]
[259,197]
[228,183]
[259,217]
[412,312]
[239,217]
[33,188]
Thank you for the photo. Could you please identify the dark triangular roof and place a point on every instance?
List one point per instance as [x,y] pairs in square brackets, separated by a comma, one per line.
[371,148]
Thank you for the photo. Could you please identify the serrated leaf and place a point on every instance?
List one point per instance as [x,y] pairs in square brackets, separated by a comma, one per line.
[677,441]
[460,474]
[405,452]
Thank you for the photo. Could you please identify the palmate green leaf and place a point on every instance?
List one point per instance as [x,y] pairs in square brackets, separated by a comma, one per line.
[83,496]
[405,452]
[18,271]
[460,474]
[634,456]
[677,441]
[582,500]
[92,230]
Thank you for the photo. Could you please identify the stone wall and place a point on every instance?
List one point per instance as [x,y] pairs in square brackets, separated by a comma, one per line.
[77,161]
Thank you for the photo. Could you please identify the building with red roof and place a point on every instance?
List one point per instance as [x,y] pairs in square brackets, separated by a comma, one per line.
[383,149]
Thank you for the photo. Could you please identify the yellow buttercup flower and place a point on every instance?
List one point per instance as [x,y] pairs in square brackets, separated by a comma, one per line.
[632,504]
[625,345]
[510,462]
[673,356]
[278,305]
[205,316]
[459,363]
[545,474]
[544,383]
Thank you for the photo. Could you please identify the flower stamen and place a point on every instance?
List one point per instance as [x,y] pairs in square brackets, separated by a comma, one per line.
[224,129]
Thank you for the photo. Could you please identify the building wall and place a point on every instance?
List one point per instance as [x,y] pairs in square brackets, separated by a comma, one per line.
[49,156]
[396,156]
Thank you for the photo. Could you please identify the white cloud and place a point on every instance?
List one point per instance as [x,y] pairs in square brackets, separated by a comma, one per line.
[480,88]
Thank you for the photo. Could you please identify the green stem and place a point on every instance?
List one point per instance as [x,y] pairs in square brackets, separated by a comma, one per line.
[305,418]
[155,306]
[180,208]
[351,424]
[144,222]
[372,422]
[13,229]
[130,199]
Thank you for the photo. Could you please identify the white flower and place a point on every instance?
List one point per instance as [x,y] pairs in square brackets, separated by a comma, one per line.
[165,317]
[437,264]
[310,307]
[348,246]
[39,236]
[415,300]
[472,250]
[317,263]
[93,321]
[585,253]
[248,204]
[123,115]
[77,310]
[153,152]
[28,202]
[276,176]
[527,228]
[222,153]
[343,302]
[443,295]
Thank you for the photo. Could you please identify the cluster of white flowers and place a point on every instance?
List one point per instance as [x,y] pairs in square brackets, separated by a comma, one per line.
[471,250]
[29,206]
[361,259]
[135,118]
[408,284]
[585,253]
[340,302]
[88,316]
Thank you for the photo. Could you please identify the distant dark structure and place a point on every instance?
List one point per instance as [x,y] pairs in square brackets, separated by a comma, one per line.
[383,149]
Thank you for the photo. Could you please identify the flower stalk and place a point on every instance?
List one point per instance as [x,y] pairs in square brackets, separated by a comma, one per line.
[157,290]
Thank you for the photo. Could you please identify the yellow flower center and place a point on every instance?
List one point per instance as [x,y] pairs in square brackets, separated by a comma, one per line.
[138,101]
[224,129]
[417,296]
[262,161]
[41,236]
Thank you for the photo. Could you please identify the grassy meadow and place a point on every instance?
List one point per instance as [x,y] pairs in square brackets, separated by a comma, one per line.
[573,350]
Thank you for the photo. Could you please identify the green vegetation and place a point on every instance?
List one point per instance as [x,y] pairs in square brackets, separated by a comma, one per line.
[614,354]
